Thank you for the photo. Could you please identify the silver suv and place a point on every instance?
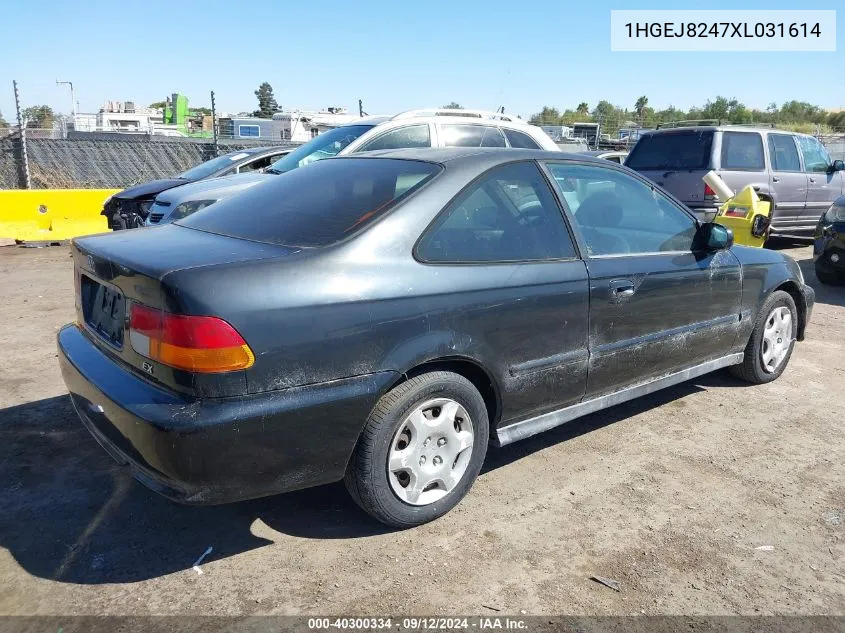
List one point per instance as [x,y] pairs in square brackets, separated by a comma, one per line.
[793,171]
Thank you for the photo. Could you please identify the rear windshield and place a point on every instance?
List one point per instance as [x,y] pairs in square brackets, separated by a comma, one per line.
[316,205]
[672,150]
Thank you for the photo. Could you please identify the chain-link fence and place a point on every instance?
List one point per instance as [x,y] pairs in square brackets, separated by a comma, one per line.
[105,160]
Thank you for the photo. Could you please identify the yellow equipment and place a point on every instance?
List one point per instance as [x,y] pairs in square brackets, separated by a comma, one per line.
[747,216]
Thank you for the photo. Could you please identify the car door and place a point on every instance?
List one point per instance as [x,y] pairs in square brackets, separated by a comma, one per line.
[823,185]
[470,135]
[787,181]
[257,164]
[656,306]
[524,290]
[415,135]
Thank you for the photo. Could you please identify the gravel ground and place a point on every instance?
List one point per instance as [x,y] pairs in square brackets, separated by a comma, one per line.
[712,497]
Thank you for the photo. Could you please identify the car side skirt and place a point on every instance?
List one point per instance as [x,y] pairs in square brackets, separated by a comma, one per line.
[526,428]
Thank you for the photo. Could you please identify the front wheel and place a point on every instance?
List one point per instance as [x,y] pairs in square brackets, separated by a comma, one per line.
[772,340]
[420,451]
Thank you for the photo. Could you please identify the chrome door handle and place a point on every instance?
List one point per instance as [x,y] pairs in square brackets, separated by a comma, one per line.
[812,180]
[775,179]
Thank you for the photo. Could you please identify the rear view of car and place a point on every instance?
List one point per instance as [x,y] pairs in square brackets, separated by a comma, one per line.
[677,160]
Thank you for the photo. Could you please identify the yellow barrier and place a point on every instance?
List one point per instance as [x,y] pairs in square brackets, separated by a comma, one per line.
[52,215]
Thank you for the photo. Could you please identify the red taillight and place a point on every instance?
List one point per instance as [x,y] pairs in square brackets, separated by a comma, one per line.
[202,344]
[708,191]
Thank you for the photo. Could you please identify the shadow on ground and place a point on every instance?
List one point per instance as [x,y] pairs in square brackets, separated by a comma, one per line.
[69,513]
[831,295]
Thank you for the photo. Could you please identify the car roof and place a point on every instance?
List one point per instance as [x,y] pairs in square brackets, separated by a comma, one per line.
[445,155]
[718,128]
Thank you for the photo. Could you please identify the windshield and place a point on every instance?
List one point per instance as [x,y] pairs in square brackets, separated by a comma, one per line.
[323,146]
[672,150]
[204,170]
[315,206]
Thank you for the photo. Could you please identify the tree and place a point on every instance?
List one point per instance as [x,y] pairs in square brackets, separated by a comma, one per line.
[201,111]
[583,108]
[158,105]
[453,105]
[267,105]
[3,123]
[41,116]
[640,106]
[547,116]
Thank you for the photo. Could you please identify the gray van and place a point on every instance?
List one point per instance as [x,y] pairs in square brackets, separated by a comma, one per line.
[793,171]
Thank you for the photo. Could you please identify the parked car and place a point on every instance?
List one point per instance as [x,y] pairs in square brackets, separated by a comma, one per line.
[379,318]
[130,208]
[415,128]
[829,245]
[615,156]
[792,171]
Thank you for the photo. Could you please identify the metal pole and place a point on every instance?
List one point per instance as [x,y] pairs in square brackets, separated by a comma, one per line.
[73,105]
[360,108]
[214,125]
[24,175]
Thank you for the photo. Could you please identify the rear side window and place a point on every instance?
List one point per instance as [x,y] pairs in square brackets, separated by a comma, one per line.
[507,215]
[316,205]
[743,151]
[408,136]
[783,153]
[472,136]
[672,150]
[520,139]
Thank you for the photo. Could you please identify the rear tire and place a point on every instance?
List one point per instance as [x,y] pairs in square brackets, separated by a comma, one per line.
[420,451]
[772,340]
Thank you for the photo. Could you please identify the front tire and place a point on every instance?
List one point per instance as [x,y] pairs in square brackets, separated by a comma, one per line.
[829,279]
[770,347]
[420,451]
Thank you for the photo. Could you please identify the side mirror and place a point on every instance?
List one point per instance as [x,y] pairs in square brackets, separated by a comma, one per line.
[837,165]
[713,237]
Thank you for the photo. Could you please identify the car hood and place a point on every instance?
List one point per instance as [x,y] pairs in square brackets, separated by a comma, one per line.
[149,189]
[214,188]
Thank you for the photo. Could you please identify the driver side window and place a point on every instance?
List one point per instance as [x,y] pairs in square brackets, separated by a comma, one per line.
[621,215]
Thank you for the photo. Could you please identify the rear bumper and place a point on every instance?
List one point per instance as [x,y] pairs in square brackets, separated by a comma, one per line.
[216,450]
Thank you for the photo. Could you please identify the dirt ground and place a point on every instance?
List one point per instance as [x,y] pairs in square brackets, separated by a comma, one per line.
[674,496]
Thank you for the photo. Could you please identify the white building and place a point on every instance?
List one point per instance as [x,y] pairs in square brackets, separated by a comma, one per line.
[303,125]
[120,116]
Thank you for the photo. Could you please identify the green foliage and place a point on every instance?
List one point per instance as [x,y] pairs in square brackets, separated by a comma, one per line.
[40,116]
[201,111]
[267,105]
[3,123]
[158,105]
[793,115]
[453,105]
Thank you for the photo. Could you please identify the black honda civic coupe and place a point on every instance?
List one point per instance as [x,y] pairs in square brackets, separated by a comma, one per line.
[381,319]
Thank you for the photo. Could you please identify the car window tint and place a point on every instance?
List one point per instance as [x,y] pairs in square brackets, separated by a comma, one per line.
[618,214]
[783,153]
[816,158]
[316,205]
[520,139]
[672,150]
[255,165]
[509,214]
[742,150]
[408,136]
[472,136]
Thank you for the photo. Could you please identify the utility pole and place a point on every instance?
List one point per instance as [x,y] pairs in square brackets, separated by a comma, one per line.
[24,160]
[72,96]
[214,125]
